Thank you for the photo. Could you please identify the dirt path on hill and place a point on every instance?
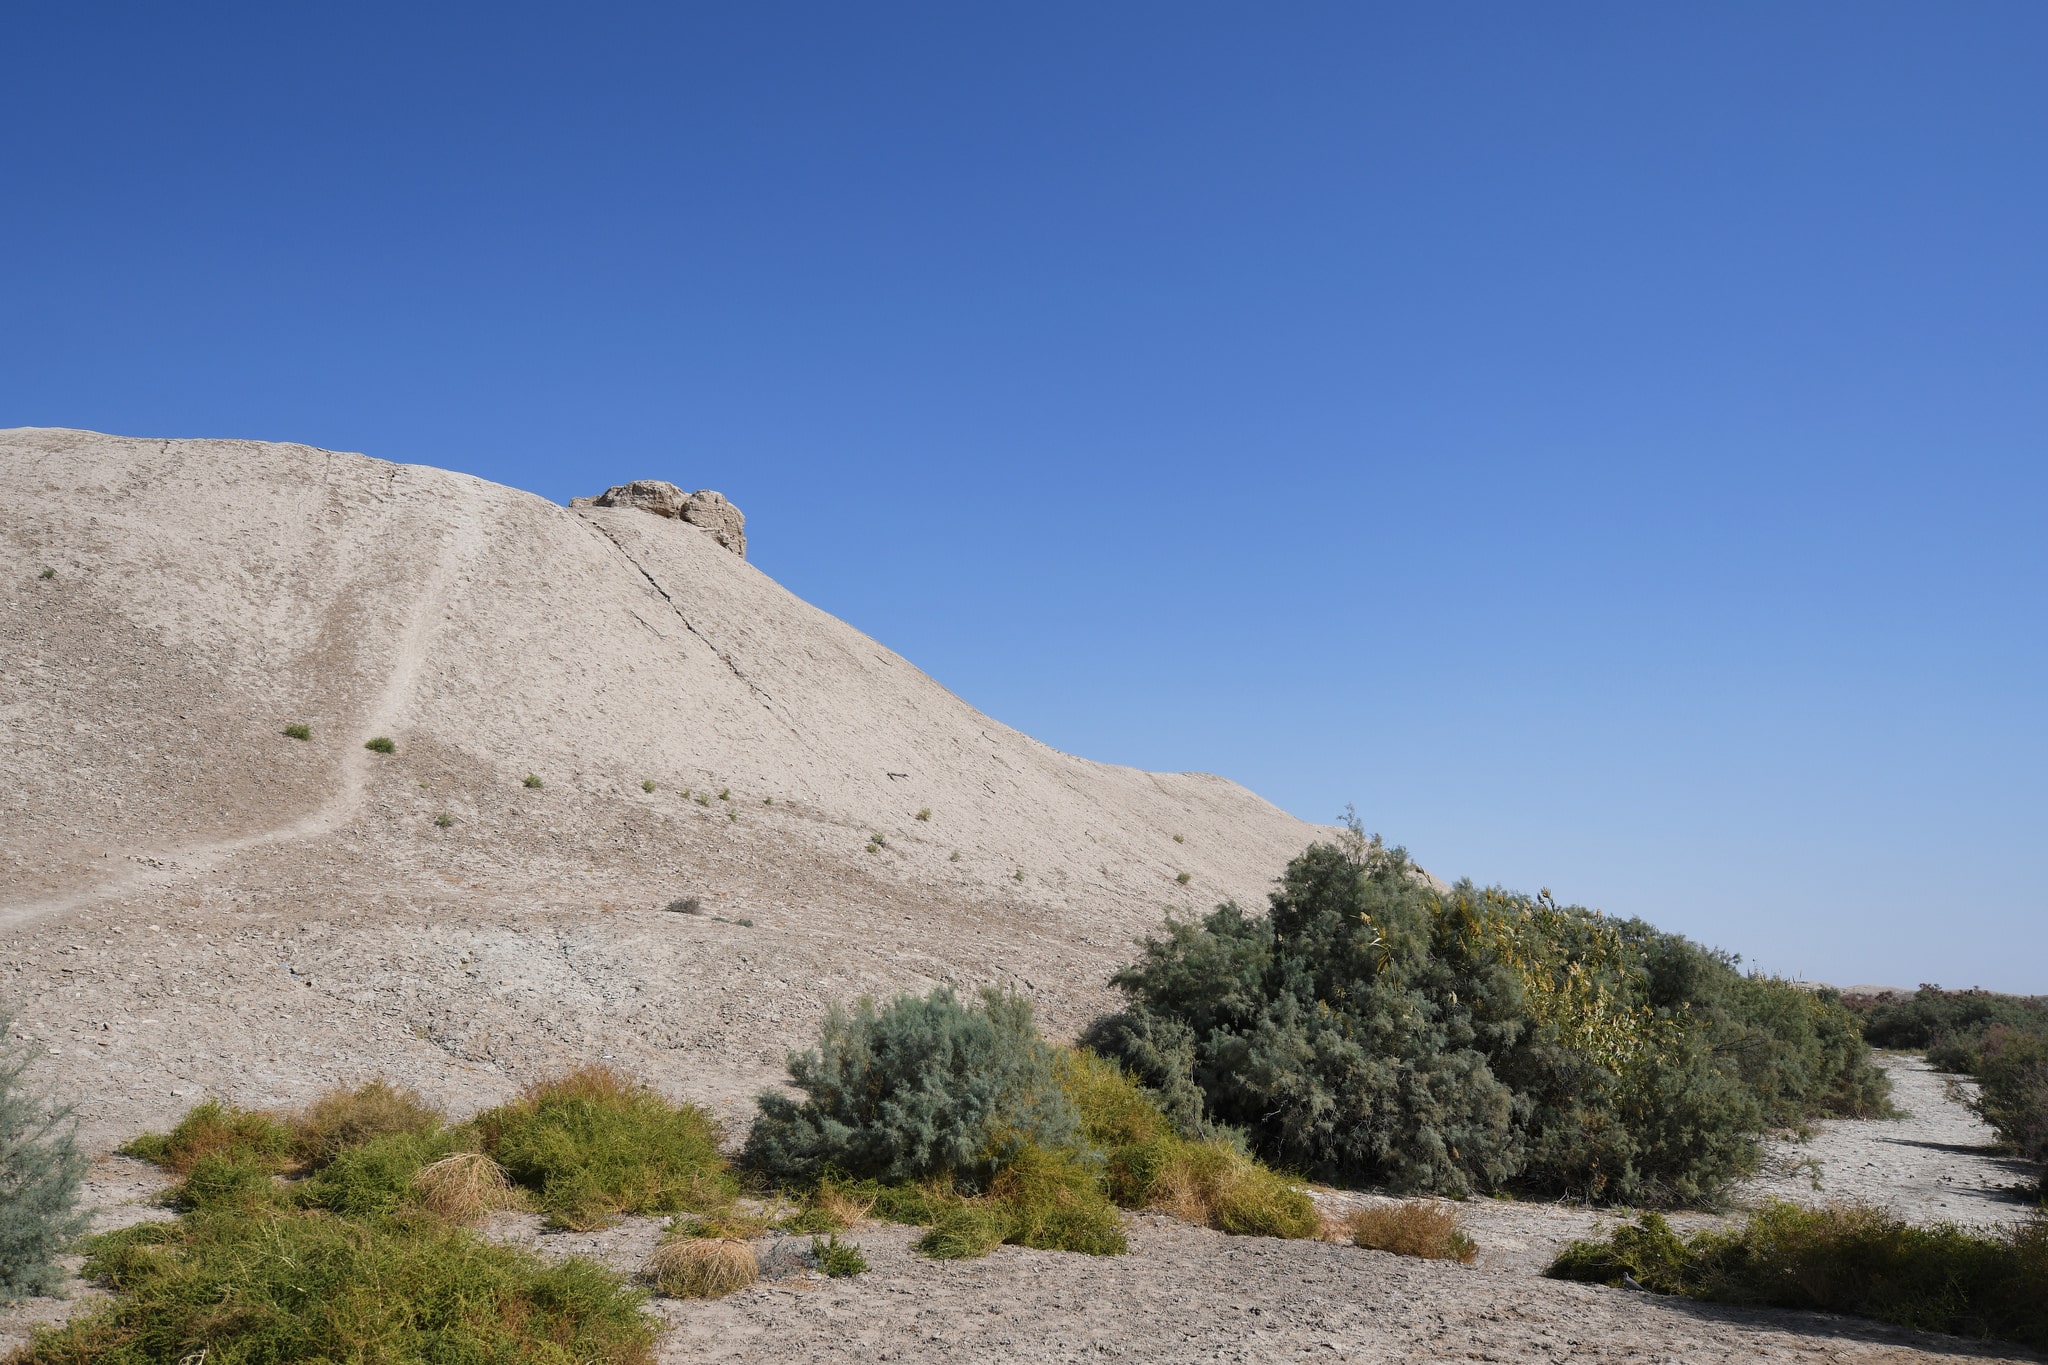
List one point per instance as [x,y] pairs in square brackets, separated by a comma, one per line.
[352,780]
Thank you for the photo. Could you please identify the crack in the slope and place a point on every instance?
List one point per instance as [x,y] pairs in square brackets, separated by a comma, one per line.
[723,657]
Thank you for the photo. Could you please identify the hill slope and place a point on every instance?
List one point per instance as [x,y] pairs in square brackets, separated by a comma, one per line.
[324,911]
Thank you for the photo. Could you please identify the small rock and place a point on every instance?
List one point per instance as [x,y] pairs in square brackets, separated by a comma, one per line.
[705,508]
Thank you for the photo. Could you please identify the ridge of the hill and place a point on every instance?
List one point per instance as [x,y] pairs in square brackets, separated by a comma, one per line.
[176,875]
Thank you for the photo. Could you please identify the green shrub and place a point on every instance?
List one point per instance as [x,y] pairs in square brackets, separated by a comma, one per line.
[213,1128]
[340,1119]
[917,1203]
[225,1181]
[40,1171]
[532,782]
[1040,1198]
[298,732]
[1841,1260]
[1148,1165]
[444,821]
[924,813]
[1184,877]
[836,1258]
[382,744]
[648,785]
[1370,1027]
[963,1231]
[376,1177]
[282,1286]
[916,1088]
[2012,1094]
[47,573]
[1052,1200]
[594,1144]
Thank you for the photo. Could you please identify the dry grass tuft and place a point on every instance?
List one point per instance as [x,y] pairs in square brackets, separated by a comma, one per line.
[703,1268]
[1417,1227]
[465,1187]
[1214,1184]
[843,1207]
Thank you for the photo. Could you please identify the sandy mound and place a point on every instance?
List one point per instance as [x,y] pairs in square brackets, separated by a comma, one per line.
[208,593]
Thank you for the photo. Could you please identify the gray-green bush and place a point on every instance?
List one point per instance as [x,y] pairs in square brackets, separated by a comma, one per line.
[921,1086]
[40,1171]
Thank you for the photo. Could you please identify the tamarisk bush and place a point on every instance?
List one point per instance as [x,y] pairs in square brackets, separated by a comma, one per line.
[1372,1027]
[922,1086]
[40,1171]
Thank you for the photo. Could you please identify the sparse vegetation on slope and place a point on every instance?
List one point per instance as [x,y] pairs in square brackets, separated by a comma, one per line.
[1842,1260]
[1371,1028]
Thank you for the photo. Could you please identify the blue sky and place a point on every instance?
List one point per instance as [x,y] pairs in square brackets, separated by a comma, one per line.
[1604,442]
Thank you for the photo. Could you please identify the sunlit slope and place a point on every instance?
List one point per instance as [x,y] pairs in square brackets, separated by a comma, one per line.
[207,593]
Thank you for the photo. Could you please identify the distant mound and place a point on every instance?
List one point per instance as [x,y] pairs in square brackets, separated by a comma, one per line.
[169,607]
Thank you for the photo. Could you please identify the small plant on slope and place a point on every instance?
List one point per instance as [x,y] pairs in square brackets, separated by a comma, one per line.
[836,1258]
[382,744]
[298,732]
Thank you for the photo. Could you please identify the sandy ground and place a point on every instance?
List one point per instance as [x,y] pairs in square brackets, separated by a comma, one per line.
[1189,1294]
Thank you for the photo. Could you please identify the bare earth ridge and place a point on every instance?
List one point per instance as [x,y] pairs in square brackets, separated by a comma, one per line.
[192,903]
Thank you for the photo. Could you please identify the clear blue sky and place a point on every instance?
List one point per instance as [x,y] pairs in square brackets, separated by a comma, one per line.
[1603,441]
